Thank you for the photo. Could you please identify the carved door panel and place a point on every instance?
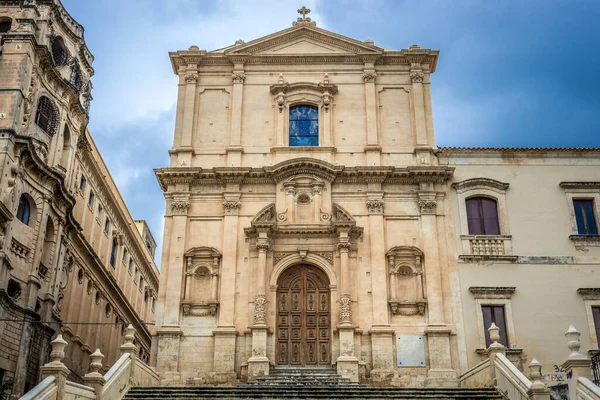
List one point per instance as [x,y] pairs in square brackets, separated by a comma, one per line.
[303,318]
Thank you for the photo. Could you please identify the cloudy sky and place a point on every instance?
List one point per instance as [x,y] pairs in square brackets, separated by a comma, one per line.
[510,73]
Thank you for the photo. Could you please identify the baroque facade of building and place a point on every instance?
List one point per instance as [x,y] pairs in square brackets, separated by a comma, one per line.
[312,222]
[72,260]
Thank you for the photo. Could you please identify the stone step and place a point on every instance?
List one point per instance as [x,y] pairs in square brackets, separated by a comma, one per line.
[246,392]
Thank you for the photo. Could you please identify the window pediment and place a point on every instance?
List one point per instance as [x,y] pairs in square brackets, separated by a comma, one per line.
[478,183]
[300,166]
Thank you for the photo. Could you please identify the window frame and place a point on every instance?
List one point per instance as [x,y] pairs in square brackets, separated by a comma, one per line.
[594,218]
[52,117]
[494,296]
[289,122]
[113,254]
[29,209]
[591,300]
[580,191]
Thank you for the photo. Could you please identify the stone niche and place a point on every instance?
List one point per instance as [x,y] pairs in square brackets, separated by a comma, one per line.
[405,273]
[201,282]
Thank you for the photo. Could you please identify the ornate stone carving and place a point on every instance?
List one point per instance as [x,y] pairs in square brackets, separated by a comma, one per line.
[238,77]
[369,76]
[180,207]
[280,101]
[345,309]
[427,206]
[200,310]
[417,77]
[344,246]
[232,207]
[375,206]
[408,309]
[279,256]
[264,247]
[328,255]
[191,78]
[260,309]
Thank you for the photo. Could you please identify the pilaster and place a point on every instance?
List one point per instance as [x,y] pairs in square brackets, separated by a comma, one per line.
[369,77]
[234,151]
[179,210]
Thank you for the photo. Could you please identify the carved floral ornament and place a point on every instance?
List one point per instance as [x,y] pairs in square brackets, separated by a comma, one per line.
[417,77]
[369,76]
[427,206]
[375,206]
[238,77]
[180,207]
[345,309]
[260,309]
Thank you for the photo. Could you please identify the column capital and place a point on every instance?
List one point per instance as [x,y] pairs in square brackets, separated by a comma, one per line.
[369,76]
[427,206]
[180,207]
[417,77]
[263,247]
[375,206]
[238,77]
[232,207]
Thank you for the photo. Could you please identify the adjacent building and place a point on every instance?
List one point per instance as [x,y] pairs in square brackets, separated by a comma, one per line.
[72,259]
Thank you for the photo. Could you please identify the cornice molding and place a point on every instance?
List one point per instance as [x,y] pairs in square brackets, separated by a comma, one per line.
[479,182]
[580,185]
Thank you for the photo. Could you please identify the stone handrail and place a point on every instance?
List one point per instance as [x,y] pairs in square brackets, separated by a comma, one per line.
[509,380]
[126,372]
[478,376]
[46,389]
[587,390]
[75,391]
[117,378]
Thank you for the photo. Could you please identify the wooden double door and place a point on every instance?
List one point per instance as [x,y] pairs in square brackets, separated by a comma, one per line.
[303,318]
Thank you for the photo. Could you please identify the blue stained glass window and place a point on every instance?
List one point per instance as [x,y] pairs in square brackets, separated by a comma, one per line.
[304,126]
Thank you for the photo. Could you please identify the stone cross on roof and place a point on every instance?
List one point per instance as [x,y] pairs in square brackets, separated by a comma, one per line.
[304,20]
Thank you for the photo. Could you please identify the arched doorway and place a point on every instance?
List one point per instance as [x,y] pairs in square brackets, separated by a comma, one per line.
[303,318]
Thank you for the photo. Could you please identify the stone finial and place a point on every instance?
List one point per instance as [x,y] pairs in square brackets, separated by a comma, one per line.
[535,373]
[574,343]
[495,336]
[96,363]
[128,346]
[58,350]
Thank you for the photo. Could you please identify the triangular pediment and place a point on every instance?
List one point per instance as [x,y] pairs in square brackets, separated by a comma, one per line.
[304,40]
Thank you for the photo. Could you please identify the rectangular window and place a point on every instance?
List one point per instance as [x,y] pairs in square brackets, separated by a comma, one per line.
[113,253]
[596,315]
[584,215]
[124,254]
[91,199]
[106,225]
[82,184]
[496,315]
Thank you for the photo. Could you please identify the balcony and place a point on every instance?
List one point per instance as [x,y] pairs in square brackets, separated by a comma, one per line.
[477,248]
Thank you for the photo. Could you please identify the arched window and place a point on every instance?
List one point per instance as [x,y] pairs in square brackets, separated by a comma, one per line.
[60,54]
[304,126]
[47,115]
[482,216]
[24,210]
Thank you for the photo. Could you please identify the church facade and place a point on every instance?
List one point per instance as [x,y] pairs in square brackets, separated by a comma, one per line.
[307,219]
[312,222]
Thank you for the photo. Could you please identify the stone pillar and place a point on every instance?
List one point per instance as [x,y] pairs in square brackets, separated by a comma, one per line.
[290,192]
[281,114]
[417,77]
[24,354]
[225,333]
[95,379]
[373,149]
[317,191]
[56,367]
[179,208]
[258,363]
[187,126]
[234,151]
[214,280]
[382,336]
[577,365]
[347,362]
[438,334]
[537,390]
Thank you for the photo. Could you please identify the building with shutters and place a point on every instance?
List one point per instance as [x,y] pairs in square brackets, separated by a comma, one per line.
[312,222]
[72,259]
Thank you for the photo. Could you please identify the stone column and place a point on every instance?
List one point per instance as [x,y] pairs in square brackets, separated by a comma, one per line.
[290,192]
[39,241]
[317,191]
[382,335]
[417,77]
[169,333]
[373,149]
[347,362]
[577,365]
[258,363]
[234,151]
[187,126]
[214,280]
[225,333]
[438,334]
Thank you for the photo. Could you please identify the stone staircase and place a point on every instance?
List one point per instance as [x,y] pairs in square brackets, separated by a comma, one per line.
[306,384]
